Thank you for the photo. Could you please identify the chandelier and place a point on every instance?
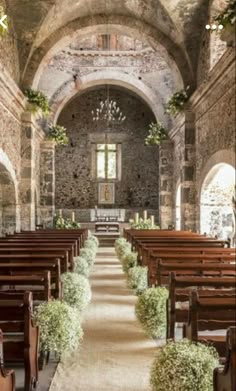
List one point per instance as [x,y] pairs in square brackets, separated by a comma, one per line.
[109,111]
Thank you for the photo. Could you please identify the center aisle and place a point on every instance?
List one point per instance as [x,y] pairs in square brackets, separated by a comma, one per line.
[115,354]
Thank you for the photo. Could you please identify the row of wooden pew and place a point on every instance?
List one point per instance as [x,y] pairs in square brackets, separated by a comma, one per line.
[31,264]
[200,275]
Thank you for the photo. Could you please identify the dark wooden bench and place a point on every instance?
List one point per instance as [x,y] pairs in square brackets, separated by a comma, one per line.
[180,289]
[32,258]
[20,336]
[210,314]
[7,377]
[224,378]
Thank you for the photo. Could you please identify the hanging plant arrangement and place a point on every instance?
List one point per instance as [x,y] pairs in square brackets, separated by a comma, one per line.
[37,101]
[4,25]
[58,134]
[227,17]
[177,102]
[157,133]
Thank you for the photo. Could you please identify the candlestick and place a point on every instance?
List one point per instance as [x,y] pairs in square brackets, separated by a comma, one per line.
[60,212]
[136,218]
[73,217]
[152,221]
[145,215]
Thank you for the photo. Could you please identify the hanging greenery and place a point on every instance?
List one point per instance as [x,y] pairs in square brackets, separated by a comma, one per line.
[227,17]
[61,223]
[4,19]
[37,101]
[58,134]
[177,102]
[157,133]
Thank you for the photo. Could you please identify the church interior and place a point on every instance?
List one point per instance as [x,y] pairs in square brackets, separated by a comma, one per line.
[117,195]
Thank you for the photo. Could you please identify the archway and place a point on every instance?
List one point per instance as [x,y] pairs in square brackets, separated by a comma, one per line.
[216,206]
[8,212]
[178,209]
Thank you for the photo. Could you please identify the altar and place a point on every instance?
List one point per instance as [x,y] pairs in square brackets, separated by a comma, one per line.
[107,215]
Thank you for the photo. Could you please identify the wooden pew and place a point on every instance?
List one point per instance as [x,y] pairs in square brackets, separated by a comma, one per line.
[40,285]
[213,313]
[28,258]
[180,289]
[224,378]
[7,377]
[20,336]
[23,268]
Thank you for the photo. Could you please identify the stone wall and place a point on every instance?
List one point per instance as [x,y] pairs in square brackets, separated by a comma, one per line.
[76,186]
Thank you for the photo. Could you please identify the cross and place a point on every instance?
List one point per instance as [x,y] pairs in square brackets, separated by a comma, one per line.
[2,20]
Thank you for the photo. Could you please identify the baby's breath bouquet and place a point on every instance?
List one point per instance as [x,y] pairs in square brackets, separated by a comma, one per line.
[93,238]
[59,326]
[157,133]
[138,279]
[76,290]
[150,310]
[122,247]
[129,260]
[91,245]
[88,254]
[37,100]
[184,366]
[81,266]
[177,102]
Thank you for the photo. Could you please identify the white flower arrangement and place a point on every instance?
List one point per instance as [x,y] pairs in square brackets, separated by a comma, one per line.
[93,238]
[129,260]
[81,266]
[138,279]
[91,245]
[88,254]
[122,247]
[76,290]
[150,310]
[184,366]
[59,325]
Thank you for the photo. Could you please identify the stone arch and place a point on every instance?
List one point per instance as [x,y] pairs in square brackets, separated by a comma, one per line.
[131,83]
[216,192]
[9,207]
[80,27]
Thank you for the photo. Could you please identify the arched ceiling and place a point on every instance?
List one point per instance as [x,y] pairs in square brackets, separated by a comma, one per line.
[40,23]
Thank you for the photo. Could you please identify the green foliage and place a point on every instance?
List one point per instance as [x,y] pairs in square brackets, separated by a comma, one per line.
[129,260]
[88,254]
[76,290]
[184,366]
[137,279]
[37,101]
[57,133]
[143,224]
[177,101]
[81,266]
[157,133]
[151,311]
[228,16]
[59,326]
[3,30]
[61,223]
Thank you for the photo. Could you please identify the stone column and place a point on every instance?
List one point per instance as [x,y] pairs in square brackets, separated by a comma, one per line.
[188,193]
[166,184]
[47,183]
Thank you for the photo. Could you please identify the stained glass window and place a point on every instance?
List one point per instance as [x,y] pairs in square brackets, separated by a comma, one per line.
[106,161]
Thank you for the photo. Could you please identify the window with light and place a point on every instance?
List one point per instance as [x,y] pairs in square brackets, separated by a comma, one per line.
[106,159]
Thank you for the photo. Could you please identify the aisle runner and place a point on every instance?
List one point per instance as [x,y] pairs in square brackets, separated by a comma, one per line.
[115,354]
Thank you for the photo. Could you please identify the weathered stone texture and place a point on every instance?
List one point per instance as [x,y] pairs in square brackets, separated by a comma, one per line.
[75,186]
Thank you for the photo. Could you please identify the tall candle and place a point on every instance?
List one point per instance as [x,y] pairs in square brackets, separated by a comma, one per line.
[136,218]
[152,221]
[60,212]
[145,215]
[73,217]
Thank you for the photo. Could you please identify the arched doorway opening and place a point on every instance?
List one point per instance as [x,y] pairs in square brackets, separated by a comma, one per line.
[7,202]
[217,213]
[178,209]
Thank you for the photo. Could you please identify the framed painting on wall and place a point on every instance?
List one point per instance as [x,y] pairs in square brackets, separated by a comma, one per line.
[106,193]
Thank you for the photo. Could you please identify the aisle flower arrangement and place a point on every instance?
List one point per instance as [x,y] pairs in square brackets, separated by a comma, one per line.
[129,260]
[81,266]
[184,366]
[76,290]
[138,279]
[150,310]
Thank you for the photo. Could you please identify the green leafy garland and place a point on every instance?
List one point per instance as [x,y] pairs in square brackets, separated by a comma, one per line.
[177,102]
[228,16]
[157,133]
[57,133]
[3,30]
[37,100]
